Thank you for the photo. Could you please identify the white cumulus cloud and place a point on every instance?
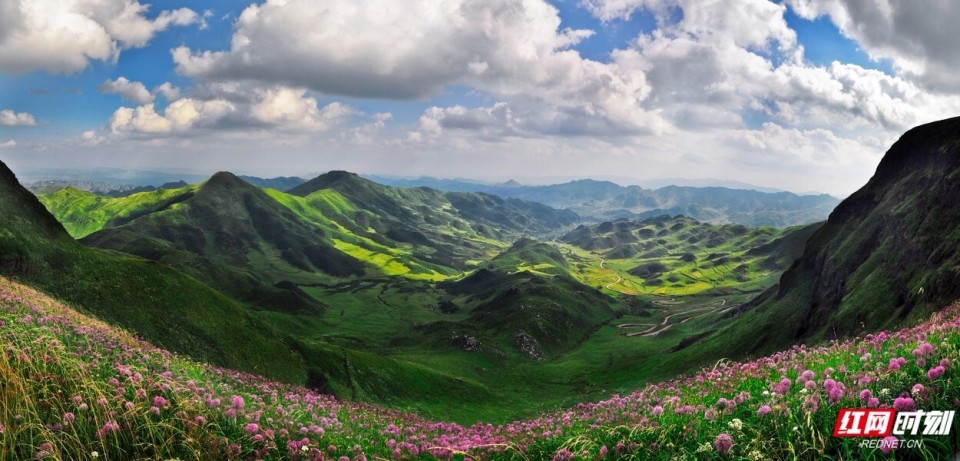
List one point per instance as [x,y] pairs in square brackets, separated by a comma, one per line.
[63,36]
[231,109]
[415,49]
[11,118]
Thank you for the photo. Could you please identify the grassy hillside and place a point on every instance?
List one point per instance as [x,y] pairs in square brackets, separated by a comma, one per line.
[108,395]
[454,230]
[83,213]
[166,307]
[527,304]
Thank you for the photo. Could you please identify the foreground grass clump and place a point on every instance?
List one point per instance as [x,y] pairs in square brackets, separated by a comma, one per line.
[74,388]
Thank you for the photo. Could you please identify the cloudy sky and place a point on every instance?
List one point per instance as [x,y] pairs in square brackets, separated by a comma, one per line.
[802,95]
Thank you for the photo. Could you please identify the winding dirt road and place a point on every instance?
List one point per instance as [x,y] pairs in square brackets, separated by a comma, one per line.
[656,329]
[619,278]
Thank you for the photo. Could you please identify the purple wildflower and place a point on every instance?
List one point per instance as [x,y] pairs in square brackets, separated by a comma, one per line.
[903,404]
[723,443]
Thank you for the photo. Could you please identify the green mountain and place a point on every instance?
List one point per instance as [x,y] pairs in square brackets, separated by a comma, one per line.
[165,306]
[418,233]
[449,229]
[232,222]
[234,237]
[528,303]
[889,254]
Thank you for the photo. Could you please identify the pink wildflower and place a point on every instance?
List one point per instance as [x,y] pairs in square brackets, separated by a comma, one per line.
[903,404]
[723,443]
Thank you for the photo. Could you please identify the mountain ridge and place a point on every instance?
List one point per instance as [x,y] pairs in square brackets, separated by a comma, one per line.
[605,200]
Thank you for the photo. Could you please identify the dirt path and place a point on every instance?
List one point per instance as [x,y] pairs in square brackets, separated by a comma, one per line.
[666,325]
[619,278]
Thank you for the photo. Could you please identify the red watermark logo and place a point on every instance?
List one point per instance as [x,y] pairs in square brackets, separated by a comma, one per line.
[864,422]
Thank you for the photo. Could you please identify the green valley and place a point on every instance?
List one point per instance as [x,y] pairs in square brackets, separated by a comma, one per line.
[416,297]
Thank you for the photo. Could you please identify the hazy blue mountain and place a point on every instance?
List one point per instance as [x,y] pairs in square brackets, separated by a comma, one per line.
[605,200]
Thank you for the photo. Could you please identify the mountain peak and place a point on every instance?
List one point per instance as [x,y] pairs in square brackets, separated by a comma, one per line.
[224,179]
[325,181]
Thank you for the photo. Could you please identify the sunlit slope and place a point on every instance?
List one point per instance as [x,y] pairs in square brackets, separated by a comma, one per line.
[443,228]
[83,213]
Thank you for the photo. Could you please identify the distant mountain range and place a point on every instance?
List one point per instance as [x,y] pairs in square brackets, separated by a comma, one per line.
[605,200]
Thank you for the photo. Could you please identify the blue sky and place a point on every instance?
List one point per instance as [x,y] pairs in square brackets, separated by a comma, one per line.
[800,95]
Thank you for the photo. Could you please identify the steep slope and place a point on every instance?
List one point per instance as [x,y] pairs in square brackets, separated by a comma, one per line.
[892,247]
[229,221]
[165,306]
[889,253]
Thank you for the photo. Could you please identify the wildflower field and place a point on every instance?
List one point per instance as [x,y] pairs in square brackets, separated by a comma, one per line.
[72,387]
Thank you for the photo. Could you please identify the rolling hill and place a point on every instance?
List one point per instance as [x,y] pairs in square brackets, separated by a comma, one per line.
[527,303]
[679,255]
